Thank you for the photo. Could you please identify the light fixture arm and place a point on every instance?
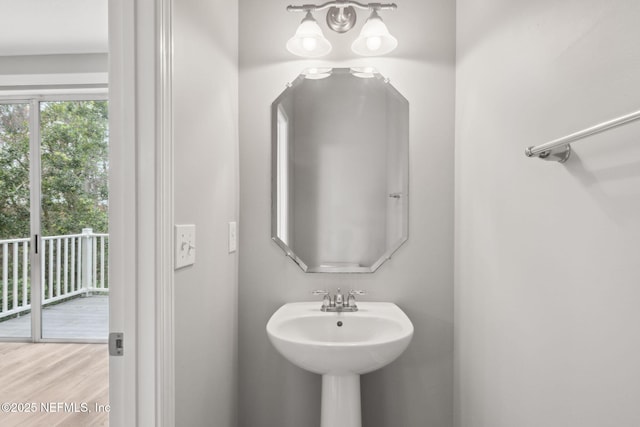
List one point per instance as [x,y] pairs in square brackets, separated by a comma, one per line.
[342,4]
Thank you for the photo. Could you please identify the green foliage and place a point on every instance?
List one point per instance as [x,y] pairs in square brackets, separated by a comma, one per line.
[74,157]
[14,170]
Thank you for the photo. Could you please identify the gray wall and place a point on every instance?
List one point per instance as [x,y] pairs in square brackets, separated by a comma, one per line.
[52,64]
[205,95]
[417,389]
[42,72]
[547,271]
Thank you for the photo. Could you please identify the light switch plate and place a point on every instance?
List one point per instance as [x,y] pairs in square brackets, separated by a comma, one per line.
[233,237]
[185,249]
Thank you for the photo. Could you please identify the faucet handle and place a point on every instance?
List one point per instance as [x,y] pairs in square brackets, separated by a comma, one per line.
[326,298]
[351,300]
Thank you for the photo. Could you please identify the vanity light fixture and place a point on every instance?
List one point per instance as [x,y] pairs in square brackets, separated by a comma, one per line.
[374,38]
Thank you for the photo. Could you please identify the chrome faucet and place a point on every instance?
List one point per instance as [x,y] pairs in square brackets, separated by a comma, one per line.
[337,302]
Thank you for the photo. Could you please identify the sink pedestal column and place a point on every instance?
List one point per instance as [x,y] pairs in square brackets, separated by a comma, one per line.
[341,401]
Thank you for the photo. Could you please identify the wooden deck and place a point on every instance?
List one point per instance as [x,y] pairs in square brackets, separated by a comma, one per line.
[80,318]
[56,382]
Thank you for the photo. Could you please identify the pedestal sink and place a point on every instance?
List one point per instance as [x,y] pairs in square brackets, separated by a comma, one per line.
[340,346]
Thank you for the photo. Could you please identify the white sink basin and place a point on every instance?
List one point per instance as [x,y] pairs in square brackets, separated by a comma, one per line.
[363,341]
[340,346]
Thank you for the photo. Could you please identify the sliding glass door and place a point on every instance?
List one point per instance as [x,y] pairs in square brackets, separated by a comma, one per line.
[56,214]
[74,219]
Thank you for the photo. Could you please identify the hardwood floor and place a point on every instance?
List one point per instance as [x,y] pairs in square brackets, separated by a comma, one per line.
[61,384]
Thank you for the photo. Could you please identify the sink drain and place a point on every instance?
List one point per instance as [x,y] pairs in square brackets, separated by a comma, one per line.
[339,323]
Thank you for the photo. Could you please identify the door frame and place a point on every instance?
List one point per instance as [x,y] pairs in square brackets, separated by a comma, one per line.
[142,385]
[141,382]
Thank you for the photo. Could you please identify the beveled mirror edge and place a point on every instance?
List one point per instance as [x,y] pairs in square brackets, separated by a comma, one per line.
[290,254]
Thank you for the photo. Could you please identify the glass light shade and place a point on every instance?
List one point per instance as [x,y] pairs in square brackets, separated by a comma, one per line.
[374,38]
[308,40]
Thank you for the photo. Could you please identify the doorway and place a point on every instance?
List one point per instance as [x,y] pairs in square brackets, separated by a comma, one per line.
[54,247]
[141,379]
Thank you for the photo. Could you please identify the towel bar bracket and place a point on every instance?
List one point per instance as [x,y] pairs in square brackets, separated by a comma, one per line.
[559,154]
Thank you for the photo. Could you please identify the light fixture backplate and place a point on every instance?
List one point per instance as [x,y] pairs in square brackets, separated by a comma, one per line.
[341,19]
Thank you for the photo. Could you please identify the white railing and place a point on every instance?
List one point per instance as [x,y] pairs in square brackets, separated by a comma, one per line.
[71,265]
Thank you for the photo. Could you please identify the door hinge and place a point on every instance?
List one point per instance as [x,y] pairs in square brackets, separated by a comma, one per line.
[116,344]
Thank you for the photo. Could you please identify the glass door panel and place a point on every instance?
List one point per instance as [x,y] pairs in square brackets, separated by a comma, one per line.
[74,220]
[15,268]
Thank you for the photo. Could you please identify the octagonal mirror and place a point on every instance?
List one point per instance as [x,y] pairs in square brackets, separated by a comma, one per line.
[340,170]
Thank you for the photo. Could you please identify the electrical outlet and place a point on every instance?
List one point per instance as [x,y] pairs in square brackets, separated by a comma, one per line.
[233,237]
[185,249]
